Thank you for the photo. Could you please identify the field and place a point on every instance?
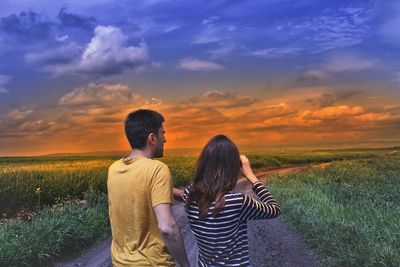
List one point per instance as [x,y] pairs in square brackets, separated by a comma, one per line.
[53,207]
[348,213]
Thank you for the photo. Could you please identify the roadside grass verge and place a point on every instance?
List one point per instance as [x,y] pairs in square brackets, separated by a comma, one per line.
[57,231]
[348,213]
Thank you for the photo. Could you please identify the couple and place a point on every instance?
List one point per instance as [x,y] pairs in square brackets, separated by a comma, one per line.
[140,194]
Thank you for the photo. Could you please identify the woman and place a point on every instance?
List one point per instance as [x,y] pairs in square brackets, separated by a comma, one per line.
[217,216]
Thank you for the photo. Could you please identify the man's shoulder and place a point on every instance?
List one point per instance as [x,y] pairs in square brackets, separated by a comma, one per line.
[153,164]
[115,164]
[159,167]
[159,163]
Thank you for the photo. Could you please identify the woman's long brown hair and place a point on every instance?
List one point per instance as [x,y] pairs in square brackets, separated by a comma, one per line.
[217,171]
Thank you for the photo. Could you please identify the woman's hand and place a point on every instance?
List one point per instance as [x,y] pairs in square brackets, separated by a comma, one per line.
[178,194]
[246,169]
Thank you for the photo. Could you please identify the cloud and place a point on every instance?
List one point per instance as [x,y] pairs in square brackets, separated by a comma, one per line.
[107,53]
[100,95]
[336,63]
[19,114]
[49,58]
[348,62]
[218,99]
[342,28]
[4,80]
[62,38]
[189,123]
[171,28]
[210,34]
[312,77]
[323,101]
[74,121]
[32,124]
[206,38]
[22,122]
[265,114]
[194,64]
[393,109]
[214,31]
[26,27]
[70,20]
[331,28]
[154,102]
[210,20]
[326,100]
[222,51]
[346,94]
[81,112]
[336,112]
[277,52]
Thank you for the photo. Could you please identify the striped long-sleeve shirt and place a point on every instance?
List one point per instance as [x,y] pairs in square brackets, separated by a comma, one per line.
[222,240]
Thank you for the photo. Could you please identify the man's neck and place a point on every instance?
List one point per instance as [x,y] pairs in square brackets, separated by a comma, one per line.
[135,153]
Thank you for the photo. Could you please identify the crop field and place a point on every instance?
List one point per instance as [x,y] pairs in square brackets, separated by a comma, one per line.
[32,183]
[348,213]
[66,202]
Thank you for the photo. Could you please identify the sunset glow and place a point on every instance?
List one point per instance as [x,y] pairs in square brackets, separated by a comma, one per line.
[300,75]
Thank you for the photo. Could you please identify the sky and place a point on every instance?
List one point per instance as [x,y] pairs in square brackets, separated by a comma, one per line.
[269,74]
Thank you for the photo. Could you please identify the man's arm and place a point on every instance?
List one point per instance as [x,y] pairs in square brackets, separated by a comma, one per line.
[170,232]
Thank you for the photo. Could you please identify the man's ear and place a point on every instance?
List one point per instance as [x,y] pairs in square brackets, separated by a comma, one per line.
[151,138]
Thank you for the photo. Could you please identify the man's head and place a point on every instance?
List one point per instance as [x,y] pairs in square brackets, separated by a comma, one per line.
[144,130]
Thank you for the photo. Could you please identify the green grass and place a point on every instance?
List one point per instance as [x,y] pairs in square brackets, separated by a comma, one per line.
[57,231]
[349,213]
[34,182]
[335,200]
[38,183]
[296,158]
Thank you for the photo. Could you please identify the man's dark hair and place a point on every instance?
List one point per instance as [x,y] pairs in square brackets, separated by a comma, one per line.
[139,124]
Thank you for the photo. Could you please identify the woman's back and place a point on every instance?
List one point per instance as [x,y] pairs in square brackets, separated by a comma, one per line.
[222,239]
[217,216]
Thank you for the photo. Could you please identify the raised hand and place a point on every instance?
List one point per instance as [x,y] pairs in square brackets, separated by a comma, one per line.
[246,169]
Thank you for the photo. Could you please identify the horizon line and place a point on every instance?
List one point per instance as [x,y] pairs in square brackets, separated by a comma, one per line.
[197,149]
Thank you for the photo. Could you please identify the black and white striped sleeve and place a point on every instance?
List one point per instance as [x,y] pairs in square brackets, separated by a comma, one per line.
[253,209]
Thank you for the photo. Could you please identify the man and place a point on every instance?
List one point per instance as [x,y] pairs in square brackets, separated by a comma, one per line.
[140,195]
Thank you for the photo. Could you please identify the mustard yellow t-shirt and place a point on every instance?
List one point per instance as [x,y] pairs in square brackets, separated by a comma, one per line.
[134,188]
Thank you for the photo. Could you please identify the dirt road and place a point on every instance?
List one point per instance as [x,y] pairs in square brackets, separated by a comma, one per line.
[271,242]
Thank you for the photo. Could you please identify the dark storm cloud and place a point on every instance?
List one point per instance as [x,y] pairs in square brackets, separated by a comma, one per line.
[26,27]
[58,55]
[70,20]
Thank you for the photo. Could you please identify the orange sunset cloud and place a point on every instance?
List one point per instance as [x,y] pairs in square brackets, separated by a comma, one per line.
[90,118]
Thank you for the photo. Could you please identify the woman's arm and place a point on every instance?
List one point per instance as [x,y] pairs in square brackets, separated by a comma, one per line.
[253,209]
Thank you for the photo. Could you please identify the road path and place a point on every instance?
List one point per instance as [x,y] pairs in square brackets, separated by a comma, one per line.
[271,242]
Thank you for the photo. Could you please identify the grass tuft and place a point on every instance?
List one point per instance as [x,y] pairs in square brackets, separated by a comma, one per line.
[61,230]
